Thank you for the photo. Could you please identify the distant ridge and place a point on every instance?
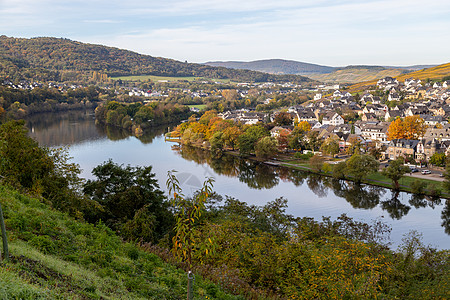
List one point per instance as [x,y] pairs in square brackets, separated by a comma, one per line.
[275,66]
[347,74]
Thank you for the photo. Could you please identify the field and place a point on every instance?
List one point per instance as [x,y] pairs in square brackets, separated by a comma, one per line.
[164,78]
[199,106]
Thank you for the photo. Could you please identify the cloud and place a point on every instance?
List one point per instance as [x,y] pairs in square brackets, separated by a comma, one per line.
[320,31]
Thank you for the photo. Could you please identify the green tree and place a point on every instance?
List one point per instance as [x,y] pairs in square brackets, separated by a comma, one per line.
[296,139]
[188,211]
[266,147]
[123,192]
[339,170]
[217,143]
[395,171]
[248,140]
[330,146]
[359,166]
[438,159]
[446,182]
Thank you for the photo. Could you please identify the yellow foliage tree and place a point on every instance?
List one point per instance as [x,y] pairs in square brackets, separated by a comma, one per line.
[304,126]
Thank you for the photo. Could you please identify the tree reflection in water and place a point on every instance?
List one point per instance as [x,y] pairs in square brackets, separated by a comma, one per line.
[394,207]
[359,196]
[419,201]
[316,185]
[446,217]
[260,176]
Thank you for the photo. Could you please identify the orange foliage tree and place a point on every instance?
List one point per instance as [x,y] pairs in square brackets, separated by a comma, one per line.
[411,128]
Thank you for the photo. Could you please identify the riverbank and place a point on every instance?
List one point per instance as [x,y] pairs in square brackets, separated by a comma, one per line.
[432,183]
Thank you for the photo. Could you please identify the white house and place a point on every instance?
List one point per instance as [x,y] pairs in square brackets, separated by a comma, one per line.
[332,118]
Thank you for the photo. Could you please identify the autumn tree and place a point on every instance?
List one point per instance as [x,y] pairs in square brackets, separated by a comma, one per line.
[231,135]
[283,119]
[283,139]
[316,163]
[304,126]
[410,128]
[230,95]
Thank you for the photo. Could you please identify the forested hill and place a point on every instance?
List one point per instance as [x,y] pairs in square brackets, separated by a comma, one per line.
[48,58]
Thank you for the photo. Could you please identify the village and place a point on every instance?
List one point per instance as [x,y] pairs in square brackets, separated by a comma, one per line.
[371,117]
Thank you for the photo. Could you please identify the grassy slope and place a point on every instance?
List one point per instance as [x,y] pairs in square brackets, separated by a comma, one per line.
[354,75]
[437,72]
[57,257]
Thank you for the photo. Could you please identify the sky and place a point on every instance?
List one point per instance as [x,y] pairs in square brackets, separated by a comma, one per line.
[333,33]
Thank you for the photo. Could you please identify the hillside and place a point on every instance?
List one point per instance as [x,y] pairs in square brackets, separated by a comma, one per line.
[56,257]
[60,59]
[356,74]
[433,73]
[348,74]
[275,66]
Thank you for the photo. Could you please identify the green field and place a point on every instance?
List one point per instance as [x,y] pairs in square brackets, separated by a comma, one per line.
[164,78]
[199,106]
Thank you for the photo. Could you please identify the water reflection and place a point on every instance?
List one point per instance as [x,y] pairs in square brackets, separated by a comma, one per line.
[359,196]
[73,127]
[65,128]
[445,216]
[260,176]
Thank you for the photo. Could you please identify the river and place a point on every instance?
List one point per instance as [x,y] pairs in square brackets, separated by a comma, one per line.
[91,144]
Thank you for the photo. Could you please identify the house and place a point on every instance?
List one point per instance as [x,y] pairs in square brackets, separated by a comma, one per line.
[393,114]
[369,117]
[440,134]
[427,147]
[277,130]
[434,120]
[401,148]
[394,96]
[375,132]
[332,118]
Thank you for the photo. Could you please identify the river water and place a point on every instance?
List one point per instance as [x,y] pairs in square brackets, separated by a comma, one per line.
[308,195]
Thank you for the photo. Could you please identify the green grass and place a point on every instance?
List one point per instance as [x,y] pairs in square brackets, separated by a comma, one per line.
[199,106]
[54,256]
[164,78]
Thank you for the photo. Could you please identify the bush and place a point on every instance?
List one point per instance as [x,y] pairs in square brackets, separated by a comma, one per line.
[302,156]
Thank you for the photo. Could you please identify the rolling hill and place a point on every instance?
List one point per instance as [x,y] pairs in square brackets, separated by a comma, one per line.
[433,73]
[357,74]
[48,58]
[348,74]
[275,66]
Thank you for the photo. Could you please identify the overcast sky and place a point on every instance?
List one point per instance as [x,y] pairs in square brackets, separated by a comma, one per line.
[335,33]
